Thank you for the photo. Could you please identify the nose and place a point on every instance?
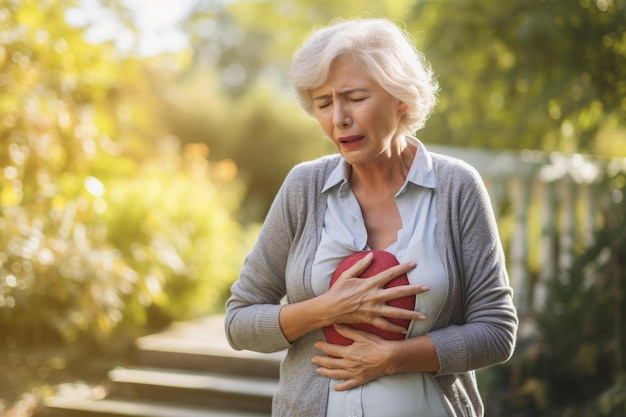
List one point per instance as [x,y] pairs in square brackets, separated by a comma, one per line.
[341,115]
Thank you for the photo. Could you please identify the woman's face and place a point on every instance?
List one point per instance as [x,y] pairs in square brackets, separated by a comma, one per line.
[357,114]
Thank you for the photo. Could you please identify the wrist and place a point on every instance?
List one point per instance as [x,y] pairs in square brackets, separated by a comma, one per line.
[326,310]
[416,354]
[390,361]
[298,319]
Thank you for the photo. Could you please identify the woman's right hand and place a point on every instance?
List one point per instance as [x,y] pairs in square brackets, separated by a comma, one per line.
[355,300]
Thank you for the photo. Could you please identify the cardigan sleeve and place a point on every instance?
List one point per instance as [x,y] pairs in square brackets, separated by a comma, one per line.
[478,327]
[282,248]
[254,305]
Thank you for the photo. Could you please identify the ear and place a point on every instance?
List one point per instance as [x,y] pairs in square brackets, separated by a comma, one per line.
[403,108]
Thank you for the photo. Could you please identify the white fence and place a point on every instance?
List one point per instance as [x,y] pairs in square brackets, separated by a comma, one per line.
[547,205]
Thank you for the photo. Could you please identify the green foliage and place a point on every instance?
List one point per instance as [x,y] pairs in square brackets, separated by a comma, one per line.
[107,228]
[247,39]
[177,233]
[527,74]
[573,363]
[264,132]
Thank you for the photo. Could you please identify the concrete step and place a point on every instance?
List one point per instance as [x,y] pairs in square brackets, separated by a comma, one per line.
[201,345]
[187,370]
[197,388]
[76,407]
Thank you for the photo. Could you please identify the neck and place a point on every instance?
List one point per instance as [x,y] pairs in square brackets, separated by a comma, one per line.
[388,173]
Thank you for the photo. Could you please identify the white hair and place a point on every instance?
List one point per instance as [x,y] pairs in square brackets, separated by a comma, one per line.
[387,55]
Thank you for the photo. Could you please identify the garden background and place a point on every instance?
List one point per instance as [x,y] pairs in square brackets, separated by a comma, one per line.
[141,143]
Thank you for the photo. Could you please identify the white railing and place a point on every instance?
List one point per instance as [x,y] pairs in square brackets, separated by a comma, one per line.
[547,206]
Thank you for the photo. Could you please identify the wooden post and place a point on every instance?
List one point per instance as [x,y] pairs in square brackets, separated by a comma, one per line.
[567,196]
[547,243]
[519,245]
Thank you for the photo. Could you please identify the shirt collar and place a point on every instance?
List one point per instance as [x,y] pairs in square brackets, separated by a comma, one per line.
[421,172]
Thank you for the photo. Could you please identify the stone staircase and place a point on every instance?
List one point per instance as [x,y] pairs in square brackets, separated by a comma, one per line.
[186,371]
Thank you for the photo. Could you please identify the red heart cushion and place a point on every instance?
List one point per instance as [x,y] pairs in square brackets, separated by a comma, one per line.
[382,260]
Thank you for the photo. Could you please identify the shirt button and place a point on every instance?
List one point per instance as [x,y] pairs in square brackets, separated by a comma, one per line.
[354,414]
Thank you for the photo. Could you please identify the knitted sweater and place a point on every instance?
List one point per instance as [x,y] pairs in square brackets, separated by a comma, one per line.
[476,326]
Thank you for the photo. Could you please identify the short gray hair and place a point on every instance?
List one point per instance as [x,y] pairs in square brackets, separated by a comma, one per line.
[387,55]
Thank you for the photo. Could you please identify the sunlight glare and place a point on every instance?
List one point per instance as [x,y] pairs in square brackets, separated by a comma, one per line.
[156,22]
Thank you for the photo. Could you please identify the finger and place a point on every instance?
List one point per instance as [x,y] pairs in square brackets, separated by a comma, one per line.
[326,362]
[389,274]
[397,313]
[347,385]
[383,324]
[358,268]
[358,335]
[401,291]
[335,351]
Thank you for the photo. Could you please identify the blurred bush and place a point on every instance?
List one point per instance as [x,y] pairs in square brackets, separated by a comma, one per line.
[107,226]
[139,251]
[571,360]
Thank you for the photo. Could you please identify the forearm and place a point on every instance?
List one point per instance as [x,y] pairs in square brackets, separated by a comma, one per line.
[416,354]
[301,318]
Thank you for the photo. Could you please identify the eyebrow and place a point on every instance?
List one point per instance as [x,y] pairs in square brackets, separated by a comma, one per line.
[341,93]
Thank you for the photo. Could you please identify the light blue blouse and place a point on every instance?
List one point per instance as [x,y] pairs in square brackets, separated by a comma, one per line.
[404,394]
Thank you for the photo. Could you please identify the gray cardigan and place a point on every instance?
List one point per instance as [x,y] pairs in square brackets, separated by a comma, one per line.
[475,328]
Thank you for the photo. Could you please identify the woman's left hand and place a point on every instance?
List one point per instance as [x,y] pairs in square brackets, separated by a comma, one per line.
[359,363]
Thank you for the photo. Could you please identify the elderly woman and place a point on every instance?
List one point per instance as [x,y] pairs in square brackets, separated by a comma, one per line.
[370,89]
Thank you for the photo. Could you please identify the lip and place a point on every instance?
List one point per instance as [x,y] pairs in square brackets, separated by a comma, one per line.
[351,141]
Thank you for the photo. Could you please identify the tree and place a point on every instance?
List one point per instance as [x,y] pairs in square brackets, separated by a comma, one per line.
[543,75]
[94,236]
[252,39]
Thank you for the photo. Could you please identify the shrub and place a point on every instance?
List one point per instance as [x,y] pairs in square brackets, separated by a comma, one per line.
[128,253]
[573,363]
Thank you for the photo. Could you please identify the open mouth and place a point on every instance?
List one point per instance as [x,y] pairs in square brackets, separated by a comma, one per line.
[349,140]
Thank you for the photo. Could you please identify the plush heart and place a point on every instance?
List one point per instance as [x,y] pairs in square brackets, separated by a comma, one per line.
[382,260]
